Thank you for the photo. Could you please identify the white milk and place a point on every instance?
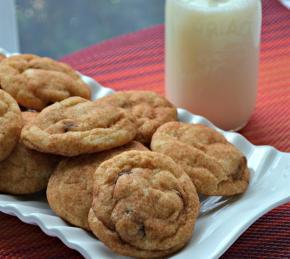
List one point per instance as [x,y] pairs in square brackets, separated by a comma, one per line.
[212,56]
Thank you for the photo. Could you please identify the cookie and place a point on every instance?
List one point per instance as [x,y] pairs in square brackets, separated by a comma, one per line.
[36,82]
[149,109]
[215,166]
[70,188]
[2,57]
[10,124]
[77,126]
[144,205]
[26,171]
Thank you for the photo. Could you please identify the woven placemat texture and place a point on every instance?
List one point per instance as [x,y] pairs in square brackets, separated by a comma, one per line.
[136,61]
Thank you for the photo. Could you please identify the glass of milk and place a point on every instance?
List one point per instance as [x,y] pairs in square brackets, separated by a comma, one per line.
[212,58]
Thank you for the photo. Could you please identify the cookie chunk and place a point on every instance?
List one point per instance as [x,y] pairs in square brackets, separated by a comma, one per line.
[26,171]
[10,124]
[149,109]
[144,205]
[77,126]
[215,166]
[70,188]
[36,82]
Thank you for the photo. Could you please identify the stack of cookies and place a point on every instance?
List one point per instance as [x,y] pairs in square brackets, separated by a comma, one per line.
[121,167]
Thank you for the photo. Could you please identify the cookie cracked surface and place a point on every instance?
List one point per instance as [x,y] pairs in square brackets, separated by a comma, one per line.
[144,205]
[215,166]
[149,109]
[77,126]
[70,187]
[35,82]
[10,124]
[26,171]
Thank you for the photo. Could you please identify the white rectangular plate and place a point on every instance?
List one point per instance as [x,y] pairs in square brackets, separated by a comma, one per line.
[215,231]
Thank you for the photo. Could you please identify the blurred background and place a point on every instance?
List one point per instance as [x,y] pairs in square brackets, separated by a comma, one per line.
[57,27]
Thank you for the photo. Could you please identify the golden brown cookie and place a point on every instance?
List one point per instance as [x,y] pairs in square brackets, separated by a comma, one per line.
[144,205]
[2,57]
[77,126]
[36,82]
[215,166]
[10,124]
[149,109]
[26,171]
[70,188]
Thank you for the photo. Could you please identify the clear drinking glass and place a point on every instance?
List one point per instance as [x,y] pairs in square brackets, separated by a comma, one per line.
[212,57]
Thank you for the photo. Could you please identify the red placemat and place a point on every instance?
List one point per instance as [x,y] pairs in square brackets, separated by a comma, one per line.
[135,61]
